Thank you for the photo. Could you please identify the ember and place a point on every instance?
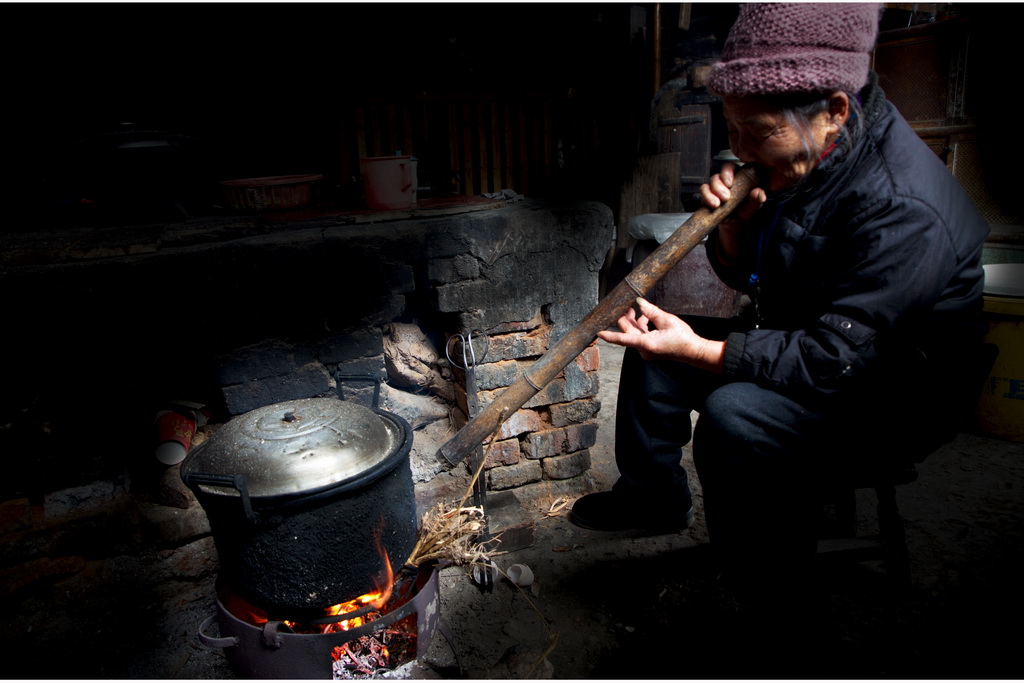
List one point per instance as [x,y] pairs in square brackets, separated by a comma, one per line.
[370,655]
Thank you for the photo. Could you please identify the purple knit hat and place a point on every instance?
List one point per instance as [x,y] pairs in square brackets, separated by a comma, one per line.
[792,47]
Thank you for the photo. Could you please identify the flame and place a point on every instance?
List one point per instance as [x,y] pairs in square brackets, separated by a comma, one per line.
[377,599]
[365,655]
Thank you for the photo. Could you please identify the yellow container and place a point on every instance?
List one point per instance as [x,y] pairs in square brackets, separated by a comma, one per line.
[1000,410]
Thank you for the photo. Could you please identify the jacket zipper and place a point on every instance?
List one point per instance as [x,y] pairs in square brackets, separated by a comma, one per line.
[763,238]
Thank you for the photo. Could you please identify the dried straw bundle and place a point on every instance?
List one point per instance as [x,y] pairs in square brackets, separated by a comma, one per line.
[450,535]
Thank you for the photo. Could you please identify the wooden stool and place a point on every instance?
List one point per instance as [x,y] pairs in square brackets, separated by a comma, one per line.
[840,541]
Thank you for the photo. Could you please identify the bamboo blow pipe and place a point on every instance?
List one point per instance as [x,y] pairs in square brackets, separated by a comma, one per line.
[636,284]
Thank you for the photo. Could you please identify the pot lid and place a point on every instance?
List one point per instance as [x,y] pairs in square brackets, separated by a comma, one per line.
[296,446]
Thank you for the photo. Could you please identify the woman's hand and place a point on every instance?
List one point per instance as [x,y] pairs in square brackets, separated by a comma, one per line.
[671,338]
[718,190]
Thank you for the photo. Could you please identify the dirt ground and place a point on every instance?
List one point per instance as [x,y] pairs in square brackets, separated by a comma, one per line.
[628,606]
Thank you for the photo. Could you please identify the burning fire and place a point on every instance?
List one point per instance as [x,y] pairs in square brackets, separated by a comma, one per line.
[364,656]
[377,599]
[360,657]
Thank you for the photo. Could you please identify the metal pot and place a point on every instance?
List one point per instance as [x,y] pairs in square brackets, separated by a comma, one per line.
[304,499]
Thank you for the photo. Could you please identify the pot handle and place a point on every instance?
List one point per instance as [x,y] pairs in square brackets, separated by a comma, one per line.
[339,378]
[235,481]
[210,641]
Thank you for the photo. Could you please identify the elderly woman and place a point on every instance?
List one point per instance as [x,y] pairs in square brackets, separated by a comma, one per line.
[861,257]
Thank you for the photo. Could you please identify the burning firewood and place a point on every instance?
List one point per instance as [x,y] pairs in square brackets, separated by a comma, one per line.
[373,656]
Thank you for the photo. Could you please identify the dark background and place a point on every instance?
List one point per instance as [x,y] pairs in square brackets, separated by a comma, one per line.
[264,89]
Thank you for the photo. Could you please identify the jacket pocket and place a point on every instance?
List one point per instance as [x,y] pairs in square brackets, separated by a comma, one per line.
[835,350]
[854,332]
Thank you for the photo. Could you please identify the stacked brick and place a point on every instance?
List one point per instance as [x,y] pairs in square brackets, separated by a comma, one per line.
[550,436]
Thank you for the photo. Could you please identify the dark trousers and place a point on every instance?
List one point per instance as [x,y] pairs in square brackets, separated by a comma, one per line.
[762,459]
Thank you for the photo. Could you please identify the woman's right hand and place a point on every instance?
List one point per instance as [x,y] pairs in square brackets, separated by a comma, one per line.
[718,190]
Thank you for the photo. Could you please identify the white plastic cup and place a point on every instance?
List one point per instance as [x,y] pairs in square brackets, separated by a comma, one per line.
[520,575]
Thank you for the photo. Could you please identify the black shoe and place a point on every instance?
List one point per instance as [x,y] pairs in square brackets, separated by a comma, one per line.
[611,511]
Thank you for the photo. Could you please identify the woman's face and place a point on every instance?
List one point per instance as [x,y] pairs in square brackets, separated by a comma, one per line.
[760,134]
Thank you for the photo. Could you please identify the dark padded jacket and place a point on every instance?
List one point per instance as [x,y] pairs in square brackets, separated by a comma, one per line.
[869,279]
